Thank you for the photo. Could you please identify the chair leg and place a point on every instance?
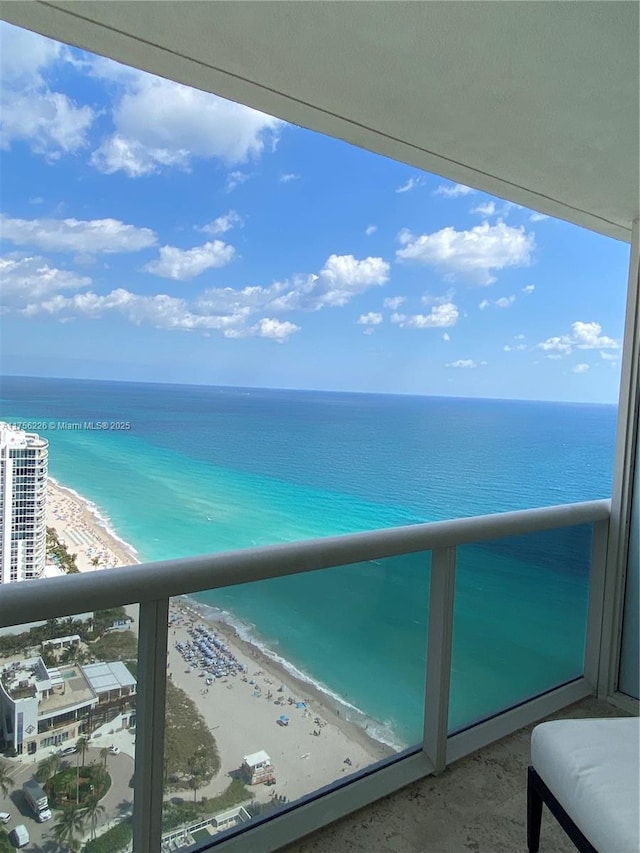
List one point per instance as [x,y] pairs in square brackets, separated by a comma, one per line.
[534,812]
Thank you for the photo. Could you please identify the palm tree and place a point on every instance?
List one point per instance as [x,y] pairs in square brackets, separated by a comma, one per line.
[82,745]
[100,776]
[69,824]
[104,755]
[6,779]
[48,767]
[94,810]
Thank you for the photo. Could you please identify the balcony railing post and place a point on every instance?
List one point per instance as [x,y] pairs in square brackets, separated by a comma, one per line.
[599,546]
[439,645]
[150,718]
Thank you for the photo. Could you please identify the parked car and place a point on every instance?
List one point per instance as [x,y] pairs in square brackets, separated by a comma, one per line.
[114,750]
[5,817]
[19,835]
[68,750]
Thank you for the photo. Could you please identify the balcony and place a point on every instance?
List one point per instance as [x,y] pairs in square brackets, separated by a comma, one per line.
[452,704]
[479,803]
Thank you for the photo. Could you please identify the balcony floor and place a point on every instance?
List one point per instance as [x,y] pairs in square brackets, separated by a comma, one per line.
[478,804]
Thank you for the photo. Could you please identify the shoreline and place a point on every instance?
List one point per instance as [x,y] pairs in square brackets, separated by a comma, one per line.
[332,709]
[86,533]
[243,717]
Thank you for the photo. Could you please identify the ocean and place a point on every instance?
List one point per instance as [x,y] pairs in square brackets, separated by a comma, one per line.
[205,469]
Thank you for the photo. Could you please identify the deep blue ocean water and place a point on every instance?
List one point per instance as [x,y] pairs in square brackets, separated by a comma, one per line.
[207,469]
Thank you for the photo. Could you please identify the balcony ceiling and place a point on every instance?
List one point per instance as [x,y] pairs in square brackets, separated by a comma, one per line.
[536,102]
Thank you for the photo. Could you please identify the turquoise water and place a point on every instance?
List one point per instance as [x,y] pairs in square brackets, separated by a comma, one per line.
[210,469]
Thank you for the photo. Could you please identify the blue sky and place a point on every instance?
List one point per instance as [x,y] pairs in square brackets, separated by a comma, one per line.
[153,232]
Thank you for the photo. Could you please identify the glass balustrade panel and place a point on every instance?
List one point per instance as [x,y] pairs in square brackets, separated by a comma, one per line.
[520,620]
[283,688]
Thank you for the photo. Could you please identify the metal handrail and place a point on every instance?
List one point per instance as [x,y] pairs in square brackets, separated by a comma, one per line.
[46,598]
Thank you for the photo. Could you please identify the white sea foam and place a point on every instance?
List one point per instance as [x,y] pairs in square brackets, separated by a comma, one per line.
[102,520]
[382,731]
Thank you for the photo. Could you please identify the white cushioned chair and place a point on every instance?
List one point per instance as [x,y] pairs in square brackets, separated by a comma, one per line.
[587,773]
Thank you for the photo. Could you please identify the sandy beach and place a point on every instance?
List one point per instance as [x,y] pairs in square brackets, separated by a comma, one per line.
[241,710]
[83,534]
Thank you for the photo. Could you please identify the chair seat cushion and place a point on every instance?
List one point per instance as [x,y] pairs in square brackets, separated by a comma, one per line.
[593,767]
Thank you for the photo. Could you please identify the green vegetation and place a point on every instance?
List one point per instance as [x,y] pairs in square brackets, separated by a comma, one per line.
[6,779]
[261,809]
[76,786]
[12,644]
[5,845]
[70,823]
[116,645]
[191,757]
[48,767]
[113,841]
[103,619]
[59,552]
[177,814]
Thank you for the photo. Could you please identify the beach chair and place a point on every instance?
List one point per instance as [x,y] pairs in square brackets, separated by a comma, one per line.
[587,773]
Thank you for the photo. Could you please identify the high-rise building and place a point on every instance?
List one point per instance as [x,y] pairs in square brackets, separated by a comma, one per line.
[23,501]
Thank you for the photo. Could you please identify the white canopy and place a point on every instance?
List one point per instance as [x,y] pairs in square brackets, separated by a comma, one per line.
[257,758]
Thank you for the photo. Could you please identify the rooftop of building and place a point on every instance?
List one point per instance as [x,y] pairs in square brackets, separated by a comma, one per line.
[16,439]
[68,686]
[108,676]
[55,688]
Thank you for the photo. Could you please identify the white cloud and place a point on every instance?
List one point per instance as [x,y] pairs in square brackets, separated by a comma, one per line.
[513,347]
[505,301]
[559,344]
[580,368]
[394,302]
[538,217]
[453,190]
[163,312]
[463,363]
[608,356]
[25,54]
[411,184]
[484,304]
[288,177]
[234,312]
[235,179]
[587,336]
[446,336]
[75,235]
[182,264]
[222,224]
[276,330]
[519,337]
[159,123]
[583,336]
[28,279]
[553,357]
[528,288]
[370,319]
[474,254]
[429,299]
[49,122]
[440,316]
[341,278]
[370,229]
[486,209]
